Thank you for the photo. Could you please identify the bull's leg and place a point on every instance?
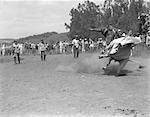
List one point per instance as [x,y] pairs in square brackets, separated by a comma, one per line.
[121,66]
[110,59]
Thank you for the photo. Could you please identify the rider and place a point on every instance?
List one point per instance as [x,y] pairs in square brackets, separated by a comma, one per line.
[109,33]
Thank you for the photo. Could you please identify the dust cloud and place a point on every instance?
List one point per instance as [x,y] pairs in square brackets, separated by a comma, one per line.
[90,64]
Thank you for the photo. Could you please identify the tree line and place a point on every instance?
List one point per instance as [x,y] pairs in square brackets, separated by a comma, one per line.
[121,14]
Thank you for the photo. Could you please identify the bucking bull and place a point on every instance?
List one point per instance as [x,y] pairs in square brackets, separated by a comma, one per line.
[120,51]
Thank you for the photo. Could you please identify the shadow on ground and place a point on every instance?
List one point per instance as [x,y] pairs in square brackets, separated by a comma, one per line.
[112,70]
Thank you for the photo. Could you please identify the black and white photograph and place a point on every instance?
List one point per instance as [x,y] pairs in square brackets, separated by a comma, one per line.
[74,58]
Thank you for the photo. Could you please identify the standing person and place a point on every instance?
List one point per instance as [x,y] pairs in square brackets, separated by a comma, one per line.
[99,43]
[86,45]
[75,43]
[91,45]
[16,48]
[42,49]
[21,48]
[148,39]
[33,48]
[60,47]
[83,45]
[0,50]
[129,33]
[3,49]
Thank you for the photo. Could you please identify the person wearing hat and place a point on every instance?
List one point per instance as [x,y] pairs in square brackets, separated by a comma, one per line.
[42,49]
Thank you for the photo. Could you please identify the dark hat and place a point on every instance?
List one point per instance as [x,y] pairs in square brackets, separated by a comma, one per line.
[42,41]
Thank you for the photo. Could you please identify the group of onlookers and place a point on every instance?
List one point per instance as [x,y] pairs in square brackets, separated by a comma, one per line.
[17,50]
[144,27]
[61,47]
[77,44]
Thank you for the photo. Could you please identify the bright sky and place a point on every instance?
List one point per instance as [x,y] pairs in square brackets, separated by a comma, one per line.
[25,17]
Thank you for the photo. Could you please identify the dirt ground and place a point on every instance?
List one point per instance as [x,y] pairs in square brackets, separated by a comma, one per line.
[66,87]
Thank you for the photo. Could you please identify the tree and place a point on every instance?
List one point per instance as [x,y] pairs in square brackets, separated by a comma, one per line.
[121,14]
[85,16]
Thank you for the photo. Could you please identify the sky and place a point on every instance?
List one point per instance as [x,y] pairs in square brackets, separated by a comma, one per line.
[21,18]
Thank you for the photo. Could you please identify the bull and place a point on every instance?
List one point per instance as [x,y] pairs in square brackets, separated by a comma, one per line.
[120,51]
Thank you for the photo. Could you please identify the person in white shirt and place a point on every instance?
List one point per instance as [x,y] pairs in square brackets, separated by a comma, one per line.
[42,49]
[76,45]
[33,47]
[16,49]
[21,48]
[91,46]
[3,48]
[86,45]
[83,45]
[61,47]
[148,39]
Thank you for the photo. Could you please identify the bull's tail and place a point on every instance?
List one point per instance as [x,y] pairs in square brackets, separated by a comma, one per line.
[140,66]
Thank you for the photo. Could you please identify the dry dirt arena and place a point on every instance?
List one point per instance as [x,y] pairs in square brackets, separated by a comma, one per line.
[66,87]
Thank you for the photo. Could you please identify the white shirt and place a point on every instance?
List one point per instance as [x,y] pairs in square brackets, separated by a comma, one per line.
[3,47]
[42,47]
[16,47]
[148,40]
[60,44]
[75,42]
[32,45]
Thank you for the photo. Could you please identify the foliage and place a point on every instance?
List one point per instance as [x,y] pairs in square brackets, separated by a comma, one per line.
[122,14]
